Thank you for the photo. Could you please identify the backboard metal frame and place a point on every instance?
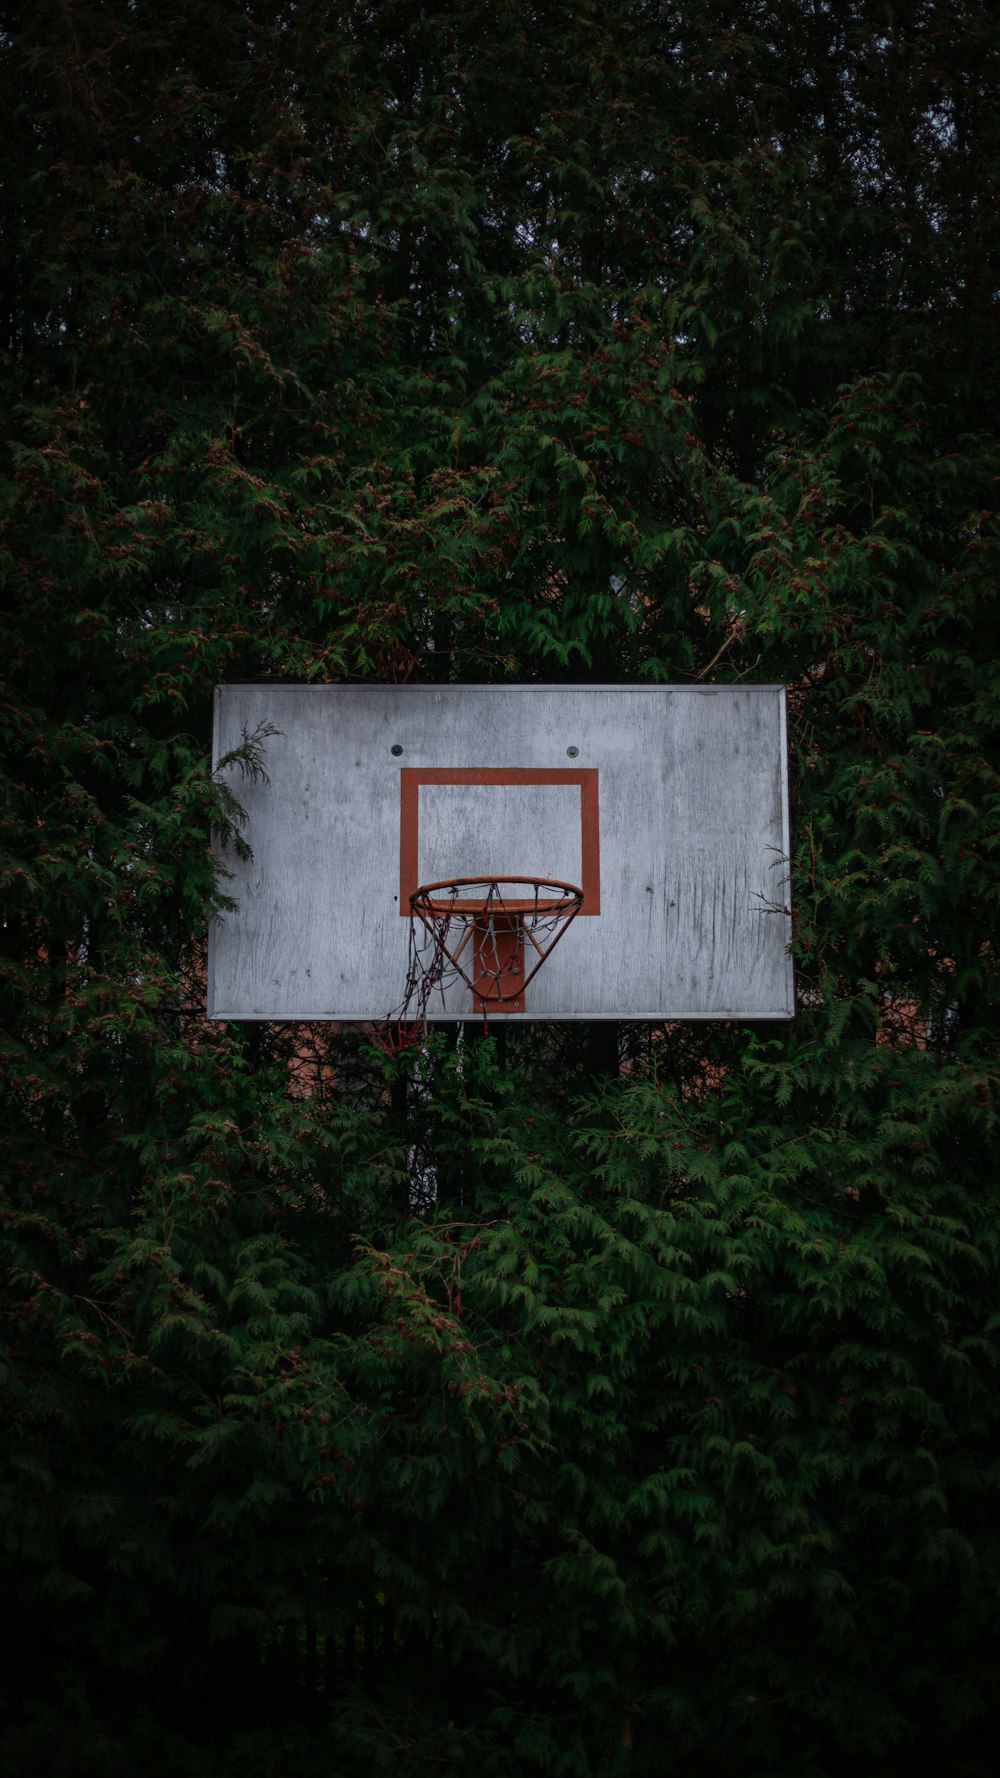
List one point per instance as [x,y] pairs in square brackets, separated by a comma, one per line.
[671,812]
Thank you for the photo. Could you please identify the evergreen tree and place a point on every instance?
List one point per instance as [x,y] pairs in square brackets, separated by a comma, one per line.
[562,1418]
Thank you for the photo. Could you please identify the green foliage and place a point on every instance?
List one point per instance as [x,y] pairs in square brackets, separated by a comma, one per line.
[629,1407]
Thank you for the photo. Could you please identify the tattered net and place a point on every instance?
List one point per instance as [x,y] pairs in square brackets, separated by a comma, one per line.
[491,933]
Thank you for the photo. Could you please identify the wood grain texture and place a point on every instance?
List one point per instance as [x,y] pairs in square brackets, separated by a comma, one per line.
[694,919]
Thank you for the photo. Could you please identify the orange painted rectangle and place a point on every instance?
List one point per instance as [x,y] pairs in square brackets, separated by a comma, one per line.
[585,777]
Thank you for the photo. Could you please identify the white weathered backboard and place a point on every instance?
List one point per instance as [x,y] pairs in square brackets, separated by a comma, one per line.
[668,805]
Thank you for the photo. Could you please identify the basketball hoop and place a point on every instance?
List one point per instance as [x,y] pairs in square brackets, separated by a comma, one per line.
[492,933]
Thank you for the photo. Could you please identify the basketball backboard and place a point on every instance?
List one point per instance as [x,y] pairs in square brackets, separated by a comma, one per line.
[666,805]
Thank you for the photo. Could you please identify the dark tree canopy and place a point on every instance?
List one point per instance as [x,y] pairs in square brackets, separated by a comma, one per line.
[631,1407]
